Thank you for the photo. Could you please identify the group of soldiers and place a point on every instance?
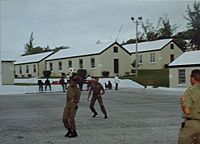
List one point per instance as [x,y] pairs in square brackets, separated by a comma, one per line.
[72,103]
[190,129]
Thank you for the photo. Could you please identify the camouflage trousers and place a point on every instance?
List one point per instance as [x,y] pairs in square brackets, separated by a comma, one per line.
[190,132]
[69,116]
[100,100]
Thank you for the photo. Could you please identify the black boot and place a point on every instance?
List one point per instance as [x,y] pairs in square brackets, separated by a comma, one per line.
[95,114]
[105,117]
[73,134]
[68,133]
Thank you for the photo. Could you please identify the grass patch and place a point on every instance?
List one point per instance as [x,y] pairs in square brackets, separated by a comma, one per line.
[153,78]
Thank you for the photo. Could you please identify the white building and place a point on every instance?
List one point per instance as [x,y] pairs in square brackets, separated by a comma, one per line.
[180,69]
[154,54]
[31,65]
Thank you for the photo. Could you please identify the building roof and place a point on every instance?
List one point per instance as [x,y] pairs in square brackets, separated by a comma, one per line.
[82,51]
[187,59]
[147,46]
[32,58]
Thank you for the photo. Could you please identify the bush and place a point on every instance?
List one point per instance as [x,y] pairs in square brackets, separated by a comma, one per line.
[47,73]
[105,73]
[29,75]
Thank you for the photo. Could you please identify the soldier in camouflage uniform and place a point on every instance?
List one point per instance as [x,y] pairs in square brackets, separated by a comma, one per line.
[72,100]
[98,91]
[190,102]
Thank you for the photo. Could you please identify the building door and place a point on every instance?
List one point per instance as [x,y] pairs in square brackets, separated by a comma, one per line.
[116,65]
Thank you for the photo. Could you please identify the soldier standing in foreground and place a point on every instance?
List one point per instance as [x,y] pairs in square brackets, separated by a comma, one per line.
[98,91]
[72,100]
[190,102]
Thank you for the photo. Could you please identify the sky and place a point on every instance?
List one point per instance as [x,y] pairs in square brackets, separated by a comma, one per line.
[78,23]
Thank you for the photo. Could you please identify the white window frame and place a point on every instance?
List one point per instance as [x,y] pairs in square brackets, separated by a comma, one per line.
[140,59]
[152,58]
[181,76]
[80,63]
[92,62]
[20,69]
[34,68]
[27,68]
[51,66]
[70,64]
[60,65]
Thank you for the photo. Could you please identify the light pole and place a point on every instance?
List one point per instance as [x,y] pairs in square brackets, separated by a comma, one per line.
[136,48]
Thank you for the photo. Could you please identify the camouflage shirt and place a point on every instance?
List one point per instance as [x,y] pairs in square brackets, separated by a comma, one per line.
[192,100]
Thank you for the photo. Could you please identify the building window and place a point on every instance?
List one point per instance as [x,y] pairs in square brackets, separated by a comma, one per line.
[92,63]
[81,63]
[34,68]
[27,69]
[60,65]
[51,66]
[20,69]
[171,46]
[181,76]
[152,58]
[171,57]
[140,59]
[70,64]
[115,49]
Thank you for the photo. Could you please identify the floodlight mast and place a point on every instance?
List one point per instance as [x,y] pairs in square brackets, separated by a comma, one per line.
[136,48]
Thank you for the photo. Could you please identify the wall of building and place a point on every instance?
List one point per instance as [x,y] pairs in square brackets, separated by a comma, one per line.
[103,62]
[162,57]
[167,51]
[7,73]
[174,78]
[24,72]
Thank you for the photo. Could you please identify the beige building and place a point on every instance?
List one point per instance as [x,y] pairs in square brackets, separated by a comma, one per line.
[7,72]
[180,69]
[31,65]
[154,54]
[94,58]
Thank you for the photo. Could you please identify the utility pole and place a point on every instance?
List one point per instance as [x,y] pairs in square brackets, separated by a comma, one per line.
[136,48]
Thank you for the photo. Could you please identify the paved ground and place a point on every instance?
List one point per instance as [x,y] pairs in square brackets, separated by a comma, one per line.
[135,116]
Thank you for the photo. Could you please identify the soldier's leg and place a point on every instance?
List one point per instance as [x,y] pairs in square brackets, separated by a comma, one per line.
[72,121]
[92,102]
[100,100]
[66,118]
[187,133]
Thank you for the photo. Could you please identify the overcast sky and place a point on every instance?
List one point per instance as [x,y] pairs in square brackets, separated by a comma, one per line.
[77,23]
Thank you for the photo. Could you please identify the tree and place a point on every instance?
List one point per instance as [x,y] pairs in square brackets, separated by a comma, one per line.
[167,30]
[193,18]
[29,45]
[150,32]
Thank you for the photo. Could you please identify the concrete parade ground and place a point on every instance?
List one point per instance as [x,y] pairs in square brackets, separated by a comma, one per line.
[135,116]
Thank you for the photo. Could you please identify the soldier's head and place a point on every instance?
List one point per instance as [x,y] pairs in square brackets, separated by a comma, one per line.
[73,82]
[195,76]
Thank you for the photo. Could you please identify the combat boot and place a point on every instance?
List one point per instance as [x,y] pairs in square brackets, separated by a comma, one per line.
[68,133]
[105,117]
[73,134]
[95,114]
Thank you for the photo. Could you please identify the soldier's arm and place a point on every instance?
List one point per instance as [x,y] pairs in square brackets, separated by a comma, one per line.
[103,90]
[186,102]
